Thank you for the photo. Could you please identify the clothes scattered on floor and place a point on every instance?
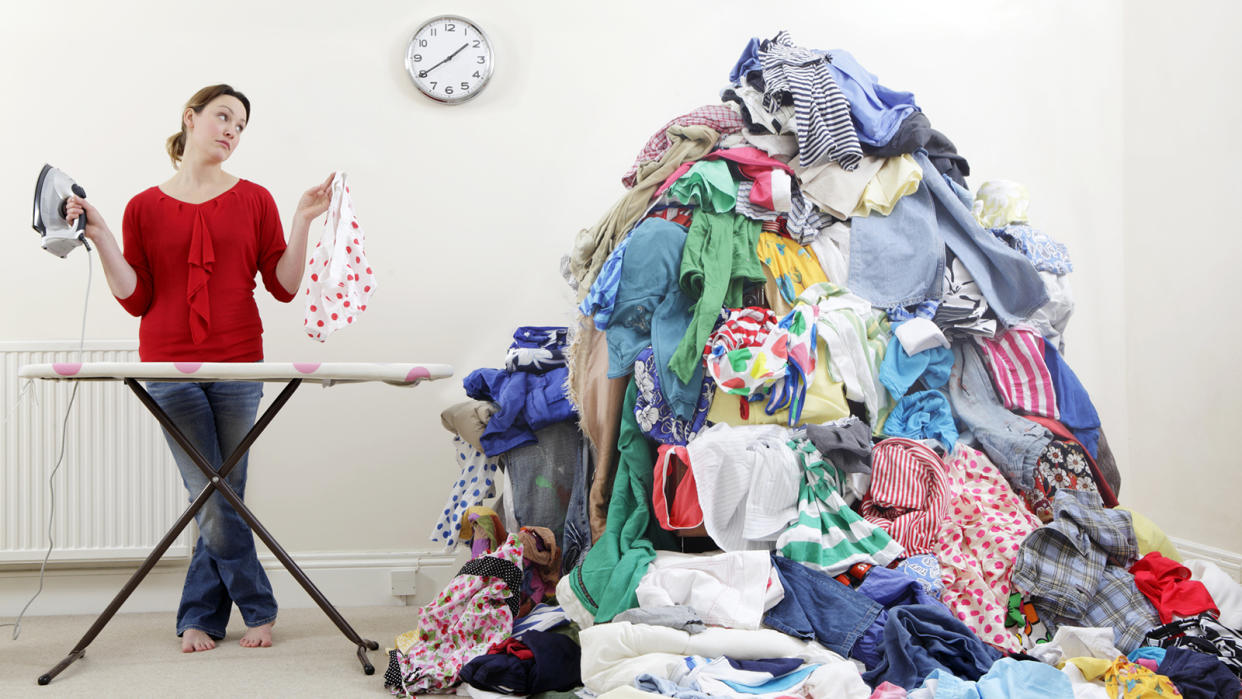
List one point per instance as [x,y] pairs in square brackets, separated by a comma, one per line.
[474,612]
[825,431]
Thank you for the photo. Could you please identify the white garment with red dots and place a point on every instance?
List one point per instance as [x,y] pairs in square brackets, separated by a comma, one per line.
[341,281]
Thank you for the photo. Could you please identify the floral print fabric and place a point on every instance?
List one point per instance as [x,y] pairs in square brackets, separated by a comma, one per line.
[1062,465]
[655,417]
[475,611]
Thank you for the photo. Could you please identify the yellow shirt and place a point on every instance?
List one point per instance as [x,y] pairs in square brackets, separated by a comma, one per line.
[793,267]
[897,177]
[1151,538]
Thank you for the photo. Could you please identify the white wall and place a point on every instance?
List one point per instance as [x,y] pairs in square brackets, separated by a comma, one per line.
[1182,246]
[469,208]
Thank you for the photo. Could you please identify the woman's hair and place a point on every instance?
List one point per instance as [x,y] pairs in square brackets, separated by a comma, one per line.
[176,142]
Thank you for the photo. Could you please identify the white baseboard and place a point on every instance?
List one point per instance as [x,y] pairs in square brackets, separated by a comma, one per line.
[347,579]
[1229,561]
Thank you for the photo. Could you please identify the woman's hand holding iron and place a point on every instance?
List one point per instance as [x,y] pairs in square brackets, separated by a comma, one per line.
[122,280]
[96,228]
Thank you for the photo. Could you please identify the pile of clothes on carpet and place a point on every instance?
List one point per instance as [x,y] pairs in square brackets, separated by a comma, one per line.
[821,440]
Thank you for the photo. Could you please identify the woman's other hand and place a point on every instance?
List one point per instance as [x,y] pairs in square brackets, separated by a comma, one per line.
[315,200]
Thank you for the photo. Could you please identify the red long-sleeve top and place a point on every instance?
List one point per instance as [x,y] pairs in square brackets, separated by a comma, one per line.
[196,266]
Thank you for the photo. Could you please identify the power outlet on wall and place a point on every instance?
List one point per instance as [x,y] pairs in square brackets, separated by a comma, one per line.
[402,581]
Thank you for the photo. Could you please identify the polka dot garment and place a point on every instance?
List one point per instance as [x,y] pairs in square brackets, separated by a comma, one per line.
[475,483]
[979,539]
[340,278]
[468,616]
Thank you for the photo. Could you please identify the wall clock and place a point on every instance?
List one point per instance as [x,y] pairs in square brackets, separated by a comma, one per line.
[449,59]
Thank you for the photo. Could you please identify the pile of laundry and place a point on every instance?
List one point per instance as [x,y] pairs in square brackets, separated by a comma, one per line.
[810,353]
[519,504]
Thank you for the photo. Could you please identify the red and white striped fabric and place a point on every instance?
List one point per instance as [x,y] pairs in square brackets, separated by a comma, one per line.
[908,495]
[745,327]
[681,215]
[1017,363]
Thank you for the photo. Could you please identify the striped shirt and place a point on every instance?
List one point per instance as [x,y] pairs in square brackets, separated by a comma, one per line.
[908,494]
[1016,360]
[805,219]
[828,535]
[825,130]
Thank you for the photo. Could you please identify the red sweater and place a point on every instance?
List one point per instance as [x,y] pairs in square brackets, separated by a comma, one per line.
[196,266]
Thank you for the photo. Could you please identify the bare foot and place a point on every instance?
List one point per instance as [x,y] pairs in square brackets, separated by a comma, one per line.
[258,636]
[194,640]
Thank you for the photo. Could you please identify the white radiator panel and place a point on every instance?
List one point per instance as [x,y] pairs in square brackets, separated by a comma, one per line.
[117,490]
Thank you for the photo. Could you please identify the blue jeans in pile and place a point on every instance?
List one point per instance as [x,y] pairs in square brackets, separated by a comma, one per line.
[225,568]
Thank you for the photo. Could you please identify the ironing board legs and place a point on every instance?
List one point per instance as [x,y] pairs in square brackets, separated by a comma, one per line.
[216,482]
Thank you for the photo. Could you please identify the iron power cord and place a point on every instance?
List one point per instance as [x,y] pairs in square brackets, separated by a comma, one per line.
[64,437]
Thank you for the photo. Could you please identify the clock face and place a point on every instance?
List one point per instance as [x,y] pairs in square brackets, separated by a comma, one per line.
[449,59]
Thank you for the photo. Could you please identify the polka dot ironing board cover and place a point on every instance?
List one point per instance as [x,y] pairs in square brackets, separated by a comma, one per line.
[327,373]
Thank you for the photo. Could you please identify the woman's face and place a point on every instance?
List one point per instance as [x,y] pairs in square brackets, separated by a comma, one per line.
[216,131]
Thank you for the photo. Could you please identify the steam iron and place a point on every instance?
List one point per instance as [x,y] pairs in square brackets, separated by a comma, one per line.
[52,191]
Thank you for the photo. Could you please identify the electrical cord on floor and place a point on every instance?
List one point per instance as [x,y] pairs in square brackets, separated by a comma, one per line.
[64,437]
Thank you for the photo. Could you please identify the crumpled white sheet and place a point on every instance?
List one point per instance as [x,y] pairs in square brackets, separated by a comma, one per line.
[728,589]
[613,654]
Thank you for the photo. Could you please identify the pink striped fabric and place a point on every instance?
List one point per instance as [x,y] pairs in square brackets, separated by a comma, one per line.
[908,495]
[1019,372]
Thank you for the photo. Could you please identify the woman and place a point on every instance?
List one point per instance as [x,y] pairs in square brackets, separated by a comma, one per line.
[192,248]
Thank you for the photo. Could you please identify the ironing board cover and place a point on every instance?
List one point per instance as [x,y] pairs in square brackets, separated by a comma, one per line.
[327,373]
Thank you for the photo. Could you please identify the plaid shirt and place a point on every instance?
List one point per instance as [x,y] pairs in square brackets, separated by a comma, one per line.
[720,117]
[1075,569]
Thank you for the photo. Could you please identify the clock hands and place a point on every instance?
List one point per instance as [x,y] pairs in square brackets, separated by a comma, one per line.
[423,74]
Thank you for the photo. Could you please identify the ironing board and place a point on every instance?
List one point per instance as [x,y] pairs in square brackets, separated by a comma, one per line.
[293,374]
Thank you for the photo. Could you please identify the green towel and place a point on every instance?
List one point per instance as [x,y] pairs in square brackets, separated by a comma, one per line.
[718,261]
[609,573]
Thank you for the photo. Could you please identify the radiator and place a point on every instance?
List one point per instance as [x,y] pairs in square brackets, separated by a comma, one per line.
[117,490]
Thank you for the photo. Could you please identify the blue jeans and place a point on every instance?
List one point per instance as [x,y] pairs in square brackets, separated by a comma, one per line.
[225,567]
[1013,443]
[817,606]
[898,260]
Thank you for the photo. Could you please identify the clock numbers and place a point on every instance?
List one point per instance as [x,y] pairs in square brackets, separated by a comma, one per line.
[449,59]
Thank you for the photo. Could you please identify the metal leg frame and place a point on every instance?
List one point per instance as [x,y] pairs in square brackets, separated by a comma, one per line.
[215,482]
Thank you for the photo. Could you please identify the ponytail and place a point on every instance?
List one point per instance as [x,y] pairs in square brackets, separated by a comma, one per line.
[176,147]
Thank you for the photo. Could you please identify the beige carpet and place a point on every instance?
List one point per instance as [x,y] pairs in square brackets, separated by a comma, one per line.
[138,655]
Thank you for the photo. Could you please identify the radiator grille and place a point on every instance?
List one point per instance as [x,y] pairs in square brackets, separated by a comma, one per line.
[117,490]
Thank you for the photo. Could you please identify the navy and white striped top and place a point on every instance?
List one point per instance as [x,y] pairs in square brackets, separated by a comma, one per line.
[825,131]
